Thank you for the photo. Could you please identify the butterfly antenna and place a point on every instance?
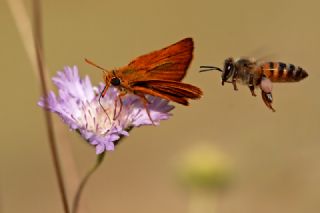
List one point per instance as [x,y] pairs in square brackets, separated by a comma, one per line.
[209,68]
[95,65]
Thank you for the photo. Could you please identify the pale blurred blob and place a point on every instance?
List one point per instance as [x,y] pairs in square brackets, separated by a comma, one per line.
[204,173]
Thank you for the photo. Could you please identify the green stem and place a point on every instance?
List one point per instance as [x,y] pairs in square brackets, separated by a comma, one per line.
[76,200]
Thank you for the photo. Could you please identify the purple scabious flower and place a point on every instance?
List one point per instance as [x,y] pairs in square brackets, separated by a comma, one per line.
[78,106]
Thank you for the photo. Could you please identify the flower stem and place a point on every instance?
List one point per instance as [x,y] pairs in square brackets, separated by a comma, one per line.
[76,200]
[44,89]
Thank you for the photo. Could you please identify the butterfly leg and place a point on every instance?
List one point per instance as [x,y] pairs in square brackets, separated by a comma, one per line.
[251,86]
[145,104]
[115,115]
[102,94]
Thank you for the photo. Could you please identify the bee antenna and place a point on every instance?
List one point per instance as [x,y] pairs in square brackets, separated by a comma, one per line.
[209,68]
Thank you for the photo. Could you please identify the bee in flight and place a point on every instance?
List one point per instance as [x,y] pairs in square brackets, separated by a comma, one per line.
[253,74]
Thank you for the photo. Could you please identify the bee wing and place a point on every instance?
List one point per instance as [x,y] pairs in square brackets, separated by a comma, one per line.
[170,63]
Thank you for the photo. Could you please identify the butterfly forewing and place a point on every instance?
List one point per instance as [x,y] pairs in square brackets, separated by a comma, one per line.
[170,63]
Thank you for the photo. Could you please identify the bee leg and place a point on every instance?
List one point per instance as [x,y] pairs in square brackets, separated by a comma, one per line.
[115,115]
[234,80]
[234,85]
[266,89]
[251,86]
[267,99]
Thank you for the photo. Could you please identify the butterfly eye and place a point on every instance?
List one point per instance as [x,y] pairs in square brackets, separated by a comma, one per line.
[115,81]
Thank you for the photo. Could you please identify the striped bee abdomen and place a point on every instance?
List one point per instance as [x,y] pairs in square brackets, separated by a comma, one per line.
[281,72]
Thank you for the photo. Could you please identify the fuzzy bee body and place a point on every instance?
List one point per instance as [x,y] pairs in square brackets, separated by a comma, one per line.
[246,72]
[253,74]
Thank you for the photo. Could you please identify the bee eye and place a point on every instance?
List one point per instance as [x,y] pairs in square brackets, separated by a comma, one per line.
[115,81]
[227,71]
[229,67]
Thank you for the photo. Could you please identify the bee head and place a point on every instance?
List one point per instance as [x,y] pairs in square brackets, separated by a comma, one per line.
[228,70]
[226,73]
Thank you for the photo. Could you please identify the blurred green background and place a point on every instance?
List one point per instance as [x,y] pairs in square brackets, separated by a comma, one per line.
[275,155]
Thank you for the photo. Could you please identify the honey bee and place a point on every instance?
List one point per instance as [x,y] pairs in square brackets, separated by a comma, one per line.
[253,74]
